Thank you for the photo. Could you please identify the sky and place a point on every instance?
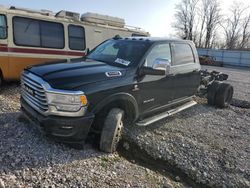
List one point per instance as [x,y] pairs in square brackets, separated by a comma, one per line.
[154,16]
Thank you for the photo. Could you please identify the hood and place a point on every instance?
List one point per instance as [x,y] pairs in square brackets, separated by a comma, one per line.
[75,74]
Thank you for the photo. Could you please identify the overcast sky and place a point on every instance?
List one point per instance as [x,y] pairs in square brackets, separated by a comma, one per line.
[154,16]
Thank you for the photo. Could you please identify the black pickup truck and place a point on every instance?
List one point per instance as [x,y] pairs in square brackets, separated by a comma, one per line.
[137,80]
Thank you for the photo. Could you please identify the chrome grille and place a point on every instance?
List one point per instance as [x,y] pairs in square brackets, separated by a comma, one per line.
[33,92]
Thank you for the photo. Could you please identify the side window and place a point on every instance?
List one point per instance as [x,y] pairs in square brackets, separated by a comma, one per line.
[76,37]
[161,51]
[3,27]
[26,32]
[38,33]
[183,54]
[52,35]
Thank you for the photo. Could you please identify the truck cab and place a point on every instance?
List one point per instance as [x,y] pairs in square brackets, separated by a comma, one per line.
[136,80]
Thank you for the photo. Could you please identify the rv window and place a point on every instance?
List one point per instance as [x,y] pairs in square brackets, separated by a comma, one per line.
[3,27]
[76,37]
[26,32]
[52,35]
[38,33]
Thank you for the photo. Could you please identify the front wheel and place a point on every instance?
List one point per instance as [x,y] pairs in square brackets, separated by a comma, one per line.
[112,130]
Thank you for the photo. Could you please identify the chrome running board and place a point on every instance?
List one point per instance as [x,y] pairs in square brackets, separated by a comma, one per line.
[160,116]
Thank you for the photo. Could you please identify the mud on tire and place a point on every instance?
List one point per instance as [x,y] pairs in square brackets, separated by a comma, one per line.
[112,130]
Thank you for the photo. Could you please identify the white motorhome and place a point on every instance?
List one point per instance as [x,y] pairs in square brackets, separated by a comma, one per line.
[29,37]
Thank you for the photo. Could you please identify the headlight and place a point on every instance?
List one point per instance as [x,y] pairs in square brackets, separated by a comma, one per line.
[66,102]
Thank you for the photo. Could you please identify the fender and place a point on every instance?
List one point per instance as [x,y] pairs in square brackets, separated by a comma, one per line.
[118,96]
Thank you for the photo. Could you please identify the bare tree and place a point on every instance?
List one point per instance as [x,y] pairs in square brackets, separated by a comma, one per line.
[212,20]
[202,12]
[245,41]
[201,22]
[185,18]
[233,26]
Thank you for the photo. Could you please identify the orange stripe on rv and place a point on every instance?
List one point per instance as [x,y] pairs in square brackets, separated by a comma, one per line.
[4,66]
[12,67]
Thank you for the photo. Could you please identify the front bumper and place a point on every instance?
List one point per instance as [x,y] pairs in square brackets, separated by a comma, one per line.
[64,129]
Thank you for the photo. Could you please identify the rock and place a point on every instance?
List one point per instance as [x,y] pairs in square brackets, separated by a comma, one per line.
[17,160]
[177,178]
[126,145]
[13,164]
[247,183]
[78,178]
[6,125]
[167,184]
[205,174]
[10,154]
[2,185]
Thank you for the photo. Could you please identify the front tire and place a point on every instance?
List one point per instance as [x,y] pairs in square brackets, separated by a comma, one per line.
[112,130]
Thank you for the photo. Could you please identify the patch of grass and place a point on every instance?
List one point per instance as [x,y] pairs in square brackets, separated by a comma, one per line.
[106,159]
[116,158]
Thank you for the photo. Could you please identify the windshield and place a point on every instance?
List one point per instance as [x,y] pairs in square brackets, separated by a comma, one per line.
[119,52]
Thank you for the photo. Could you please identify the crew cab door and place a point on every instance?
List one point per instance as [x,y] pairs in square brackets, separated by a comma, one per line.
[155,90]
[185,69]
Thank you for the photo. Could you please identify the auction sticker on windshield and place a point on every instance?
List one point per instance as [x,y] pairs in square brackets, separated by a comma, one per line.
[122,61]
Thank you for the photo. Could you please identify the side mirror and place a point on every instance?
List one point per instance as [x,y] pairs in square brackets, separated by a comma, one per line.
[162,64]
[160,67]
[150,71]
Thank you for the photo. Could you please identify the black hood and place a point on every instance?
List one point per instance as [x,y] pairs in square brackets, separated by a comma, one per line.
[74,74]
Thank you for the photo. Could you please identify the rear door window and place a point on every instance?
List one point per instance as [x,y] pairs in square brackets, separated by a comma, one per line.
[3,27]
[183,54]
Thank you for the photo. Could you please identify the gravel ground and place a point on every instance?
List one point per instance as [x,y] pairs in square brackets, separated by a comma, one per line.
[29,159]
[209,145]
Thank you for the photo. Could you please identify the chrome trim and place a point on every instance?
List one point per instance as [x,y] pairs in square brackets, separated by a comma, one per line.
[37,96]
[160,116]
[115,74]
